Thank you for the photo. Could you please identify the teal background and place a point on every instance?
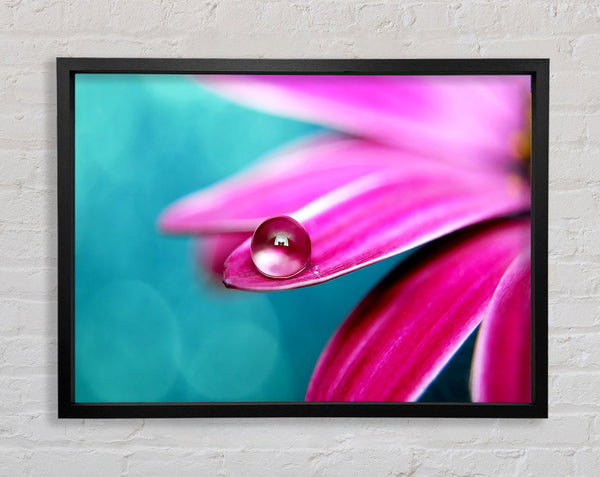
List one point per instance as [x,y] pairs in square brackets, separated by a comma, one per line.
[149,326]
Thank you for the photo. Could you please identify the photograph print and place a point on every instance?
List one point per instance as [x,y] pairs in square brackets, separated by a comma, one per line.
[302,238]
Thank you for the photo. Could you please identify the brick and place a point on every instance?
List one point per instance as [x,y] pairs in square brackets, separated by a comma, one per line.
[322,462]
[23,124]
[573,204]
[475,16]
[25,429]
[306,433]
[548,462]
[574,279]
[576,389]
[25,395]
[165,461]
[468,462]
[568,127]
[557,49]
[137,16]
[32,283]
[177,16]
[595,430]
[551,17]
[585,50]
[67,462]
[559,431]
[27,355]
[563,242]
[333,16]
[6,15]
[576,165]
[440,47]
[365,461]
[380,17]
[27,316]
[88,15]
[22,247]
[43,15]
[264,17]
[28,208]
[36,87]
[121,432]
[564,91]
[15,462]
[593,129]
[591,242]
[587,461]
[22,51]
[572,313]
[120,47]
[432,16]
[575,351]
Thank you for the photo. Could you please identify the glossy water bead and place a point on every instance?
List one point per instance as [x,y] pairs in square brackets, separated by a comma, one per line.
[280,247]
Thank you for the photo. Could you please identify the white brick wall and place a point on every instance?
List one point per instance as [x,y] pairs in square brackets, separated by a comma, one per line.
[34,442]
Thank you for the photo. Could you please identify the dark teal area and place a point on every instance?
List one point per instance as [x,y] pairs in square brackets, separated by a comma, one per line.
[452,384]
[148,325]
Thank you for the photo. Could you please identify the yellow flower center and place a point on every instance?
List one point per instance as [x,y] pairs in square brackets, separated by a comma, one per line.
[520,139]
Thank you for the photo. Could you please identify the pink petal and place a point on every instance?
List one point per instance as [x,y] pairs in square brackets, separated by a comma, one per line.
[459,118]
[212,251]
[282,184]
[403,333]
[384,214]
[501,369]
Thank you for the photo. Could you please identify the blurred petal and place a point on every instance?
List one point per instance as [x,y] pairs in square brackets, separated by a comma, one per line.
[282,184]
[212,251]
[403,333]
[384,214]
[501,369]
[458,118]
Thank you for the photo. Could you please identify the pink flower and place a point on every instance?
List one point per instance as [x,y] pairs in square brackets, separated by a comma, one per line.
[415,160]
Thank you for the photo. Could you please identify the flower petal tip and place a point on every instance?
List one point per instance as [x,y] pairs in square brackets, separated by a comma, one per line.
[171,221]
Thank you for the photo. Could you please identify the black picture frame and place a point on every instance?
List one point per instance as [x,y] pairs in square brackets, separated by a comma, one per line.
[66,70]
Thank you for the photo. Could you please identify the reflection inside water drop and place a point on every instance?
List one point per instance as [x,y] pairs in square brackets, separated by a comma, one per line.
[280,247]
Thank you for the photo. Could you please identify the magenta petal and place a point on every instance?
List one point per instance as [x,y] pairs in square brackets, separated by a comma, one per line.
[279,185]
[458,118]
[212,251]
[501,370]
[403,333]
[384,214]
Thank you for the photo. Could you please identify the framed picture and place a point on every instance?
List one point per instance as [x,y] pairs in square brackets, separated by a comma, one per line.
[302,237]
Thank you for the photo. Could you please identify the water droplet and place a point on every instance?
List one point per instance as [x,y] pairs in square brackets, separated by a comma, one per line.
[280,247]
